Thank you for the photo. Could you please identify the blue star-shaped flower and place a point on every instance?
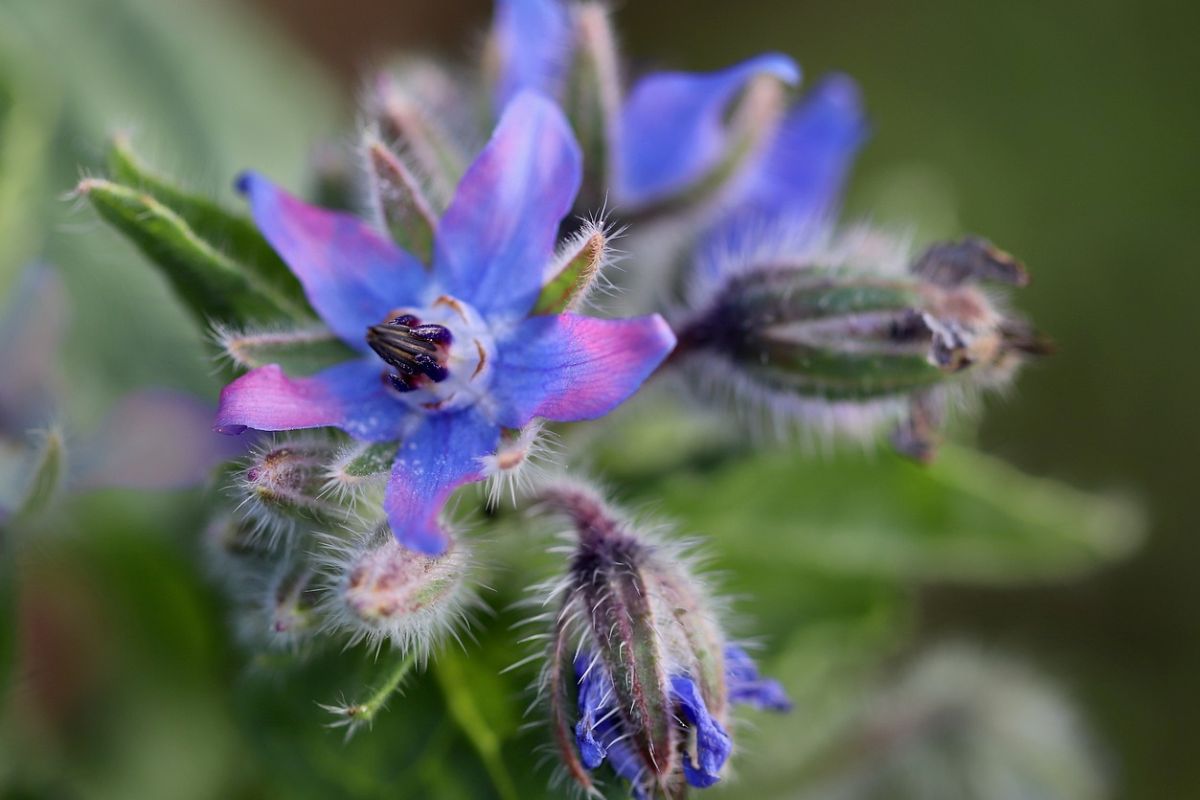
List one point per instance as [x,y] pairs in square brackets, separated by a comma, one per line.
[449,355]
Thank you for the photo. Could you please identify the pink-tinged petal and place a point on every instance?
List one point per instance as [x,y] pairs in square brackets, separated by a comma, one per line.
[500,229]
[440,454]
[673,126]
[533,47]
[570,367]
[351,274]
[803,171]
[155,439]
[350,396]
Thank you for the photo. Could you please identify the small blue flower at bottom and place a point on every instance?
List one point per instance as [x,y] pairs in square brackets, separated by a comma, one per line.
[601,736]
[449,356]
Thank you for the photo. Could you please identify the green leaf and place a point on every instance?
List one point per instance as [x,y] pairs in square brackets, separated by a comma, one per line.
[300,352]
[212,285]
[47,473]
[968,517]
[233,234]
[369,459]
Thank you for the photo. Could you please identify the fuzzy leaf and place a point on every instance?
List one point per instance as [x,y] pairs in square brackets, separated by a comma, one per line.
[299,352]
[212,285]
[234,234]
[569,284]
[968,517]
[47,473]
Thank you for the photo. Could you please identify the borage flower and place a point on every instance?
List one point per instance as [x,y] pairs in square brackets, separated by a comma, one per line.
[449,356]
[671,135]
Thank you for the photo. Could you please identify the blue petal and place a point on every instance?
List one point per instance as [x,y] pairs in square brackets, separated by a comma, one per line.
[500,230]
[352,276]
[744,685]
[440,454]
[533,44]
[713,744]
[571,367]
[803,171]
[595,707]
[350,396]
[672,126]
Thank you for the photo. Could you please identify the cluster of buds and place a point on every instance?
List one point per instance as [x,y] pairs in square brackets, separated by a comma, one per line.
[639,672]
[846,338]
[306,554]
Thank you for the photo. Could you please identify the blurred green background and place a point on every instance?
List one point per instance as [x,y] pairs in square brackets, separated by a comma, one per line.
[1065,131]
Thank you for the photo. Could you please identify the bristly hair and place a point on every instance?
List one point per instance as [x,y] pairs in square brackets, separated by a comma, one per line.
[378,591]
[520,463]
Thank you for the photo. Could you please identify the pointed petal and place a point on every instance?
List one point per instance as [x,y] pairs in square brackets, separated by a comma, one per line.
[440,454]
[804,169]
[745,686]
[713,744]
[569,367]
[352,276]
[350,396]
[533,44]
[672,126]
[500,229]
[595,704]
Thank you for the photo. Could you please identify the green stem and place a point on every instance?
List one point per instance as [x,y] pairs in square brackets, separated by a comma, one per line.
[465,711]
[367,711]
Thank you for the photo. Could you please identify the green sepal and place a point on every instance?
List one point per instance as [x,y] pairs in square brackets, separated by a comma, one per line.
[47,474]
[406,211]
[303,351]
[232,233]
[210,283]
[370,459]
[581,266]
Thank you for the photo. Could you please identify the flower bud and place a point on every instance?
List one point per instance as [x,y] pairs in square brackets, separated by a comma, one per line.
[282,611]
[639,671]
[381,590]
[829,337]
[286,481]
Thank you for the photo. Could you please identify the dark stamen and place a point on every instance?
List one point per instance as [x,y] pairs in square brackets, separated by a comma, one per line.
[412,348]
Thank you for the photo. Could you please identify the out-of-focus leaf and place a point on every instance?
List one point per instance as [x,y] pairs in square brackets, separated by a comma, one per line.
[968,517]
[212,285]
[229,232]
[27,114]
[300,351]
[47,473]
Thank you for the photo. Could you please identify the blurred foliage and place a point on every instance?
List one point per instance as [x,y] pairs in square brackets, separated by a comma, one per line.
[126,662]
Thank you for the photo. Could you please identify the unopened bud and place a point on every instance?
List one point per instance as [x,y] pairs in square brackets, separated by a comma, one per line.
[639,672]
[822,340]
[283,610]
[381,590]
[285,482]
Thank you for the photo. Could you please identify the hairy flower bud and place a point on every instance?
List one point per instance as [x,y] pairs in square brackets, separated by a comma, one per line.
[830,337]
[639,671]
[286,481]
[282,611]
[382,590]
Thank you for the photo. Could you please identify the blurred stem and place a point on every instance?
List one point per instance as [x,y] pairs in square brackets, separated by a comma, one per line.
[367,711]
[465,711]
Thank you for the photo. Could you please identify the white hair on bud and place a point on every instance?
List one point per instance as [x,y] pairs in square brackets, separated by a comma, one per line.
[377,590]
[279,608]
[362,487]
[596,280]
[520,462]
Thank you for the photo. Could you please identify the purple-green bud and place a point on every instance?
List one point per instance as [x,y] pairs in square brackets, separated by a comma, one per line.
[381,590]
[639,672]
[827,339]
[282,612]
[286,482]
